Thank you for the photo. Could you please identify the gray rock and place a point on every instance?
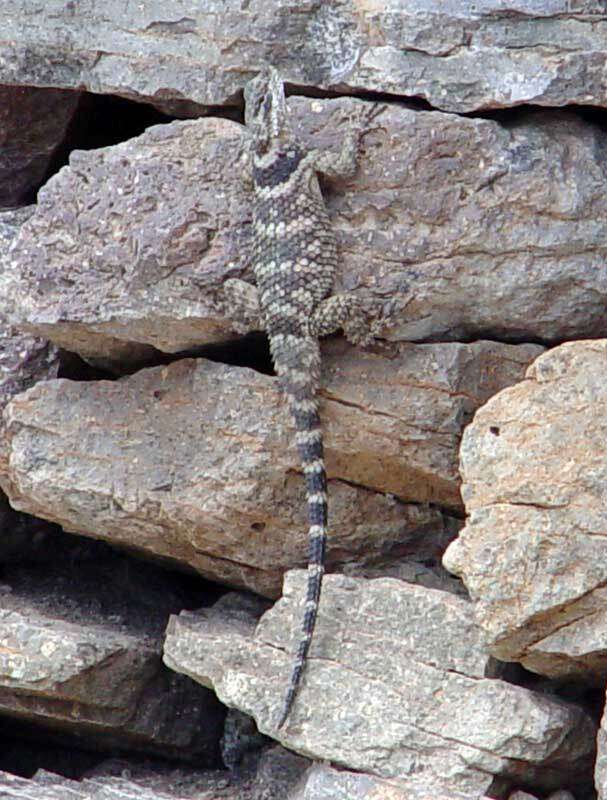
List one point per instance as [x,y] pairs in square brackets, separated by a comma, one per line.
[278,772]
[543,52]
[532,553]
[395,686]
[195,462]
[467,228]
[323,782]
[33,124]
[80,658]
[522,796]
[24,360]
[121,781]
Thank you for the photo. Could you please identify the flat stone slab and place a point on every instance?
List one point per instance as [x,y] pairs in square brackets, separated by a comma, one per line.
[80,656]
[383,693]
[195,462]
[188,54]
[457,228]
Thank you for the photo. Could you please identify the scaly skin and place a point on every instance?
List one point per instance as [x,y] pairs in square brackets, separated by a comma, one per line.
[294,260]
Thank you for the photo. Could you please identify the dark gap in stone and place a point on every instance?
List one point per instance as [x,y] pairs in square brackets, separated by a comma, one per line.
[75,368]
[589,699]
[489,335]
[412,102]
[89,580]
[250,351]
[24,749]
[100,121]
[28,539]
[517,115]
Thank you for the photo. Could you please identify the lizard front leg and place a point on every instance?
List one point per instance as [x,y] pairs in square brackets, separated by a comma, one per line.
[240,303]
[344,164]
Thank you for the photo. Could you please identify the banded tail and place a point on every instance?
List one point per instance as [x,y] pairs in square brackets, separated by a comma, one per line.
[299,384]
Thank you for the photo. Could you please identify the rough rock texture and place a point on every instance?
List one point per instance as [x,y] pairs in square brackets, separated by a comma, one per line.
[561,794]
[395,685]
[600,772]
[24,360]
[458,55]
[195,461]
[323,782]
[533,552]
[153,786]
[278,773]
[467,227]
[118,273]
[80,656]
[33,124]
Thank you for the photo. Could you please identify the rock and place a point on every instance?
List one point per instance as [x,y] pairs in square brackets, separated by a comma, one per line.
[131,783]
[192,54]
[532,553]
[240,741]
[323,782]
[24,360]
[522,796]
[600,770]
[80,659]
[279,771]
[469,230]
[135,266]
[395,686]
[195,462]
[33,125]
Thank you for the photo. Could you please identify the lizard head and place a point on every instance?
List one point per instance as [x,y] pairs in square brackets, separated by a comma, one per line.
[265,108]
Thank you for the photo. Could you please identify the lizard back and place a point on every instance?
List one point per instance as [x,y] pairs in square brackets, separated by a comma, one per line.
[294,259]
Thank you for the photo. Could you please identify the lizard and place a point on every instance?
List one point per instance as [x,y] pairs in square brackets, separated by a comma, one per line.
[295,258]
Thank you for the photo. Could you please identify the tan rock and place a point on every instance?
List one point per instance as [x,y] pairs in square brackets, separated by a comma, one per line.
[195,462]
[383,693]
[457,227]
[533,552]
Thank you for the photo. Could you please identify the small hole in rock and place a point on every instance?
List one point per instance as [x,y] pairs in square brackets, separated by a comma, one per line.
[258,526]
[494,430]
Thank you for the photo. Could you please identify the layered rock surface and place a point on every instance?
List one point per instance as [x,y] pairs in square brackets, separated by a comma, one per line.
[533,552]
[195,462]
[24,360]
[323,782]
[80,655]
[456,227]
[396,685]
[189,54]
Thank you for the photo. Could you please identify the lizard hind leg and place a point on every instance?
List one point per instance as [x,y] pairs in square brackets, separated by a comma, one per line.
[350,312]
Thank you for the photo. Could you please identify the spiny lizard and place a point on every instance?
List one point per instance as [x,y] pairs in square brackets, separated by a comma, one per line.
[294,261]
